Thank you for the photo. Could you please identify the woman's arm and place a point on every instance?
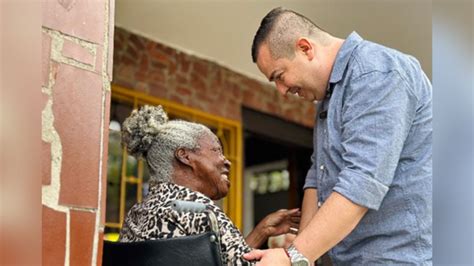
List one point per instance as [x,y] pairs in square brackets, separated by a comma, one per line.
[276,223]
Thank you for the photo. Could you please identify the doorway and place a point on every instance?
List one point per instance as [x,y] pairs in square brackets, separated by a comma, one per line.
[276,158]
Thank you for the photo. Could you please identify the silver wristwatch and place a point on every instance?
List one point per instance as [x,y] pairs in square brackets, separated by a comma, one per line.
[296,258]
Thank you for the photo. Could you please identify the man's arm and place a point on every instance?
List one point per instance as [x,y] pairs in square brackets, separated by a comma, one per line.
[336,218]
[309,207]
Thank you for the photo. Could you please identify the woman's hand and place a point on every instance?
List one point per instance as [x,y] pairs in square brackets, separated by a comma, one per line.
[280,222]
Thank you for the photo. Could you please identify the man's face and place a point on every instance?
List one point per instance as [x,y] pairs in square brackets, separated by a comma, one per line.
[211,168]
[301,75]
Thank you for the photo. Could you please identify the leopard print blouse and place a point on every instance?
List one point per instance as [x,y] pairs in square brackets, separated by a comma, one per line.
[154,218]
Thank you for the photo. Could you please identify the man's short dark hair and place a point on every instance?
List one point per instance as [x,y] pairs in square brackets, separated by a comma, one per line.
[290,23]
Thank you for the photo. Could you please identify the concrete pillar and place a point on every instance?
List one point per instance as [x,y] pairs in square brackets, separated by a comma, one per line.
[77,47]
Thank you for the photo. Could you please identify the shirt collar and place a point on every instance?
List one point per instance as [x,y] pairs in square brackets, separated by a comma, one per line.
[343,56]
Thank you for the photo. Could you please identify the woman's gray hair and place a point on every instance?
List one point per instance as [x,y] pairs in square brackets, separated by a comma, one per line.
[148,134]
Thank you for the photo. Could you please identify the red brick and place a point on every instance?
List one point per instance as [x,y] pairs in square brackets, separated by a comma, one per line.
[77,52]
[45,58]
[219,75]
[170,51]
[144,63]
[160,57]
[172,68]
[158,90]
[127,60]
[125,83]
[120,34]
[183,91]
[272,108]
[165,49]
[137,41]
[197,83]
[200,67]
[275,96]
[292,114]
[46,163]
[248,96]
[126,71]
[235,91]
[83,19]
[181,79]
[251,84]
[232,110]
[158,65]
[140,76]
[117,59]
[177,99]
[183,62]
[53,237]
[213,88]
[157,76]
[142,87]
[219,95]
[77,108]
[203,97]
[82,231]
[132,52]
[216,109]
[216,85]
[149,45]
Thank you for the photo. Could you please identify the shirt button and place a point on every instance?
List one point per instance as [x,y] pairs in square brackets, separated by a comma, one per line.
[321,167]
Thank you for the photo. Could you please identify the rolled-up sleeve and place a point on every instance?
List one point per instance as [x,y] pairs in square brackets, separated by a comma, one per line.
[377,113]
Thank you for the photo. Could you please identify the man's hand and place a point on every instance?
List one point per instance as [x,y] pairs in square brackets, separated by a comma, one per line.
[270,257]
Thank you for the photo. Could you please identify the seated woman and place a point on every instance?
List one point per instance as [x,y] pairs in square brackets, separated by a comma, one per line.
[186,162]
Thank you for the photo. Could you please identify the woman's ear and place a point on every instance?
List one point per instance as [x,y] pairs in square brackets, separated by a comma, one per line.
[182,155]
[304,46]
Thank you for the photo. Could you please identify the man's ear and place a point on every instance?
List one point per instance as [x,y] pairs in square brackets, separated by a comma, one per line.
[182,155]
[304,46]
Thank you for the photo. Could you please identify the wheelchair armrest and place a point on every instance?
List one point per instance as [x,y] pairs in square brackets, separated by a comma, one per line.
[202,249]
[199,249]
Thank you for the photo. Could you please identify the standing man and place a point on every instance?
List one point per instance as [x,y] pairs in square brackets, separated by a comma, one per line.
[368,193]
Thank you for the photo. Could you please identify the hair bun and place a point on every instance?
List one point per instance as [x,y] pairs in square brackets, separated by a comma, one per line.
[141,127]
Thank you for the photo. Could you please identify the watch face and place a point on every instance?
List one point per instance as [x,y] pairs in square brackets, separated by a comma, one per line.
[302,262]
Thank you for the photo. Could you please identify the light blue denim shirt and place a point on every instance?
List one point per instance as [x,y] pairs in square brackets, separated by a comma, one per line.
[373,145]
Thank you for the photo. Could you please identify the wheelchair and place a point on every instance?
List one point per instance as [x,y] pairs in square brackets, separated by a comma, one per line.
[202,249]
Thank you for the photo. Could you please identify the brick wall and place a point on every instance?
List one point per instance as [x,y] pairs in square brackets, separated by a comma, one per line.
[77,69]
[161,71]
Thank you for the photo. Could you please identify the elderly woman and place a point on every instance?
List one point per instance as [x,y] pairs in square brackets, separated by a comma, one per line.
[186,162]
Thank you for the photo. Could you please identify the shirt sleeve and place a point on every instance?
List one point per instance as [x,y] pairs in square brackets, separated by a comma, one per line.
[377,113]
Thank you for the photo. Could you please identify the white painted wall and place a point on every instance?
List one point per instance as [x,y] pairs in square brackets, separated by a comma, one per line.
[222,31]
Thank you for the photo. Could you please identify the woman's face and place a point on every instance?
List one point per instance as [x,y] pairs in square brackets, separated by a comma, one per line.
[212,168]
